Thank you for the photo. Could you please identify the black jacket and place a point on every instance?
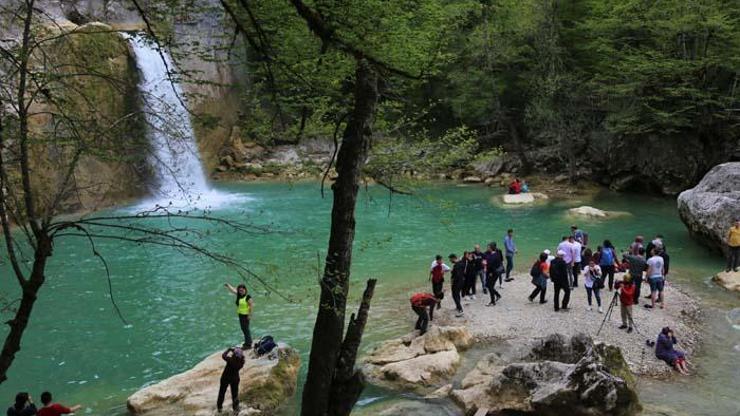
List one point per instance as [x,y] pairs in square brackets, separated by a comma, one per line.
[559,272]
[458,273]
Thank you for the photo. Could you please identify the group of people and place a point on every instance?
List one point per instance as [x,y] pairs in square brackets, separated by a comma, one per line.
[573,260]
[24,406]
[518,186]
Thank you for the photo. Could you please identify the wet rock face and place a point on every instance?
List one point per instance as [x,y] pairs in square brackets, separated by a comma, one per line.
[709,208]
[555,375]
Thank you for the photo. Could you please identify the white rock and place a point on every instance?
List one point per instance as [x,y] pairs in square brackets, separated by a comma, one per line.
[516,199]
[728,280]
[587,211]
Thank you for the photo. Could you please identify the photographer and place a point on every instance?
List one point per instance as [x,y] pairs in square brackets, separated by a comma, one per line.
[234,358]
[23,406]
[626,299]
[664,350]
[593,281]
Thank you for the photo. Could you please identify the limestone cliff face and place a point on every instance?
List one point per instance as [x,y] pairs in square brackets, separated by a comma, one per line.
[209,64]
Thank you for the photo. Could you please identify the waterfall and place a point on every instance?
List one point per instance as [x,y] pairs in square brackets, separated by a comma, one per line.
[179,178]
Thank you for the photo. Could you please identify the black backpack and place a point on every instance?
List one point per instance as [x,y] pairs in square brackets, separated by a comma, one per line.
[535,270]
[264,345]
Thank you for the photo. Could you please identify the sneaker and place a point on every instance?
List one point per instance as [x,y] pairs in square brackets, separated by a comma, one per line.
[588,308]
[490,304]
[622,326]
[472,297]
[531,299]
[565,309]
[649,306]
[459,314]
[485,291]
[629,330]
[498,297]
[544,301]
[508,279]
[601,310]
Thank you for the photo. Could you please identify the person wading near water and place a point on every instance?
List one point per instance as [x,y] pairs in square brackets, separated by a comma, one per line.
[437,277]
[638,266]
[655,275]
[54,409]
[510,247]
[234,358]
[423,305]
[733,247]
[244,309]
[458,282]
[540,273]
[559,277]
[23,406]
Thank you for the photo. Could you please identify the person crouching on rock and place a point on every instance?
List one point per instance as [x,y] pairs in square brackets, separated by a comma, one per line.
[626,299]
[234,358]
[419,303]
[664,350]
[244,308]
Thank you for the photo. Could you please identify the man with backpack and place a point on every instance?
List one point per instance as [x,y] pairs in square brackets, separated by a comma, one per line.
[419,303]
[437,277]
[540,273]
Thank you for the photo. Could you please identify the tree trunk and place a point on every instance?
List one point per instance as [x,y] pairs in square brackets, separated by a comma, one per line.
[326,345]
[20,321]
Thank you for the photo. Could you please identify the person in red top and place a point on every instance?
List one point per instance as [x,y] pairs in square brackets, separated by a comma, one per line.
[437,277]
[54,409]
[515,187]
[626,299]
[419,303]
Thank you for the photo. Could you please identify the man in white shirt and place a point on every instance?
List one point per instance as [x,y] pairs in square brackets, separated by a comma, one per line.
[656,278]
[437,277]
[577,246]
[566,246]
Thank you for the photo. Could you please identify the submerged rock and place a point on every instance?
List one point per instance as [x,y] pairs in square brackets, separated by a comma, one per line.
[515,199]
[265,384]
[709,208]
[555,375]
[728,280]
[417,362]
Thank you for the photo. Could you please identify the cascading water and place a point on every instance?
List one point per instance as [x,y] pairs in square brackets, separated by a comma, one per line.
[180,180]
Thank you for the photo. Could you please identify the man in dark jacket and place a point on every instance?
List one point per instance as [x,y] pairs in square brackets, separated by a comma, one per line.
[458,282]
[234,358]
[559,277]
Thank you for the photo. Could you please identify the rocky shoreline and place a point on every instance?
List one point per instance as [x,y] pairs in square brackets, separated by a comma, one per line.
[532,360]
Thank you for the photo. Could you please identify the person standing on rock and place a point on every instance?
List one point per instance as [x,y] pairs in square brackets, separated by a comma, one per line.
[655,275]
[577,247]
[479,269]
[244,309]
[234,358]
[638,266]
[437,277]
[733,247]
[458,282]
[593,282]
[511,250]
[608,262]
[423,305]
[559,277]
[540,273]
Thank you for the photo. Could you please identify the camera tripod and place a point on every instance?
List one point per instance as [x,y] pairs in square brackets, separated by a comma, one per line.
[608,314]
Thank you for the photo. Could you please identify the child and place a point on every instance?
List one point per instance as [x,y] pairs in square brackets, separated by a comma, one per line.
[626,299]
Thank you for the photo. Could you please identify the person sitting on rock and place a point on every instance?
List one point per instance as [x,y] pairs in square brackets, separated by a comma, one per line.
[525,187]
[515,187]
[423,305]
[664,350]
[234,358]
[733,247]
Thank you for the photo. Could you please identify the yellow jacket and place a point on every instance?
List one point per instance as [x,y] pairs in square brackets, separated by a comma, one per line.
[733,237]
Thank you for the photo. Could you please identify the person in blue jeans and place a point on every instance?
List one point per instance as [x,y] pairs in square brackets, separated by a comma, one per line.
[655,274]
[510,248]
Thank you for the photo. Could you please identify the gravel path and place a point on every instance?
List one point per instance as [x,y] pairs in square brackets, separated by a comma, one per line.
[514,317]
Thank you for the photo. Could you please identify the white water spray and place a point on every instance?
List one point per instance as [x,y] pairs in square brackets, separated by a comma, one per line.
[180,180]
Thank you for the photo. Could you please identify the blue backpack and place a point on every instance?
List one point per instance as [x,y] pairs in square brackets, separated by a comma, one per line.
[607,257]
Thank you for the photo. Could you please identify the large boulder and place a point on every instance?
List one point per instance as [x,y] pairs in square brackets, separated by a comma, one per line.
[709,208]
[729,280]
[552,376]
[417,362]
[265,384]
